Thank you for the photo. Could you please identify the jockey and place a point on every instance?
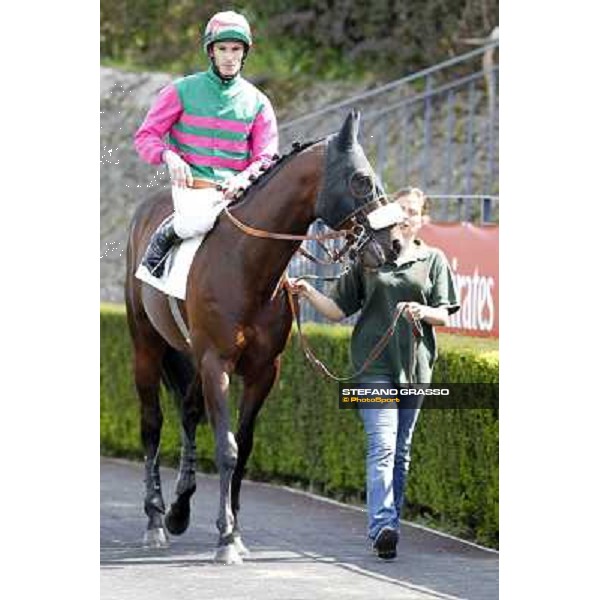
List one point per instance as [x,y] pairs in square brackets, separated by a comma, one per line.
[221,132]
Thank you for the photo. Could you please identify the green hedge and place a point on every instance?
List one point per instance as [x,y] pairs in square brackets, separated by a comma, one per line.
[308,441]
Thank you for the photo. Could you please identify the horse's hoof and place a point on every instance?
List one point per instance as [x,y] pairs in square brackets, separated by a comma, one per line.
[156,538]
[240,546]
[228,555]
[177,519]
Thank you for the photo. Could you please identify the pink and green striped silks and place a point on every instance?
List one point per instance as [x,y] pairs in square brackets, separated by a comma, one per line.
[219,128]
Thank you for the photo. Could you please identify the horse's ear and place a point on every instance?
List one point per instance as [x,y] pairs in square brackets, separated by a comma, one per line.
[348,135]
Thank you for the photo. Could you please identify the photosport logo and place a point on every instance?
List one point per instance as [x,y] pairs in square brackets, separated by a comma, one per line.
[448,395]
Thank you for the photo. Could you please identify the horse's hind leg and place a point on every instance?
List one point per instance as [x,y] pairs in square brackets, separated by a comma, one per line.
[178,515]
[147,380]
[256,388]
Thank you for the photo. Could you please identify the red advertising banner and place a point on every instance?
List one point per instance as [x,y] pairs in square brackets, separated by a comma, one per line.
[473,256]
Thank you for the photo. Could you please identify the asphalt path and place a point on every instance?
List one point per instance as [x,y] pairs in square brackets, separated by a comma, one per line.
[302,547]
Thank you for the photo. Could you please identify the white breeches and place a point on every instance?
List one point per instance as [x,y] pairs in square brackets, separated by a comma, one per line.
[196,210]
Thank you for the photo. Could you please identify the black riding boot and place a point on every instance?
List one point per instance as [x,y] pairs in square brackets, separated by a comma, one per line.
[162,241]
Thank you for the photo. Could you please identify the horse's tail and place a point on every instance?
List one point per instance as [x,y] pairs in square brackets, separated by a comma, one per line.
[178,375]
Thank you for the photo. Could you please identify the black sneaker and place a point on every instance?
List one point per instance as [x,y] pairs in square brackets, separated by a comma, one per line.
[385,543]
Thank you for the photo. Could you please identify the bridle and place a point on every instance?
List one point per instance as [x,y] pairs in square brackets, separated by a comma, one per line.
[356,237]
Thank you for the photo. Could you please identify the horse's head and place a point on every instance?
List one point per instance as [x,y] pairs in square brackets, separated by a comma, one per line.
[351,192]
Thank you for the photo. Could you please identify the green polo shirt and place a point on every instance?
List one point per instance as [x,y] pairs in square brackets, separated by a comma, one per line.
[423,277]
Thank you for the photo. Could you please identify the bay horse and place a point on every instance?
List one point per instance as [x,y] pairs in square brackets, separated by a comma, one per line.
[237,315]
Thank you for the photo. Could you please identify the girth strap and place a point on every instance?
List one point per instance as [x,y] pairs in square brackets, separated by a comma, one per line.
[174,306]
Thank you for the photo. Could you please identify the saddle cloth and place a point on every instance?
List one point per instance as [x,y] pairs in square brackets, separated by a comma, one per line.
[173,281]
[196,211]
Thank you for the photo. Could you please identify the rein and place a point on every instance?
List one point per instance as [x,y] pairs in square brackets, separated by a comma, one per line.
[352,238]
[376,351]
[261,233]
[355,237]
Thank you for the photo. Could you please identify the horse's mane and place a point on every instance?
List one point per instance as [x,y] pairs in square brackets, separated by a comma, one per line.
[267,174]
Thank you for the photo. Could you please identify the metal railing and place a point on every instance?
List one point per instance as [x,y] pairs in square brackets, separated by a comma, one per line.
[436,129]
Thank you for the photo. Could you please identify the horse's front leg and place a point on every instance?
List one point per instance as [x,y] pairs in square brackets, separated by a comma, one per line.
[178,515]
[257,384]
[215,383]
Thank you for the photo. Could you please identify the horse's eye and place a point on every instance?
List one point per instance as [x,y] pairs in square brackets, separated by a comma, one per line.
[361,185]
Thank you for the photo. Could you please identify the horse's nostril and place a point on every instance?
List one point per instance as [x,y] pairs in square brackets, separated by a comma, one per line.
[397,246]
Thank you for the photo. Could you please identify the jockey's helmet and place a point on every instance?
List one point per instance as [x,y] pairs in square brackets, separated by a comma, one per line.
[227,25]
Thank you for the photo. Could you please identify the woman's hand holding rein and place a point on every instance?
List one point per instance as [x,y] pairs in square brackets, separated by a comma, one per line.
[326,306]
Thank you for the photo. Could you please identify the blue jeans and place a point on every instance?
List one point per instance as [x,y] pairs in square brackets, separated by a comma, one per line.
[389,435]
